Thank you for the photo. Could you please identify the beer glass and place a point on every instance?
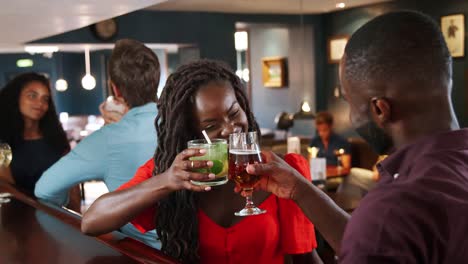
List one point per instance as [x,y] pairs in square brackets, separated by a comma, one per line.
[244,150]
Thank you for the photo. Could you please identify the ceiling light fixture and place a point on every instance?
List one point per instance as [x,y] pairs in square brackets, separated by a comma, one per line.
[24,63]
[41,49]
[340,5]
[305,107]
[61,84]
[241,40]
[88,82]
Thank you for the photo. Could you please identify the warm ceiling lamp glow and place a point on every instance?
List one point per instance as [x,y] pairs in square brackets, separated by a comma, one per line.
[305,107]
[88,82]
[61,85]
[340,5]
[241,40]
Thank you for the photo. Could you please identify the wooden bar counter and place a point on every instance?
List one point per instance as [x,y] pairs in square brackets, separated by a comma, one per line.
[32,232]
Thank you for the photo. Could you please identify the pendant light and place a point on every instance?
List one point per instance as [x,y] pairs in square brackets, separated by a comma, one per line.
[88,82]
[61,84]
[305,109]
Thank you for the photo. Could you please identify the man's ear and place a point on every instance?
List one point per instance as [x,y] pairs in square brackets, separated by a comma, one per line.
[381,111]
[115,90]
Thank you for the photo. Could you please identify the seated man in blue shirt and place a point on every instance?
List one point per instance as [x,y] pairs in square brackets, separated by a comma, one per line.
[328,142]
[113,153]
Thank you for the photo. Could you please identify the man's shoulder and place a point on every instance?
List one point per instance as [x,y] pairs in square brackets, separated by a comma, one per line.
[379,221]
[395,222]
[391,207]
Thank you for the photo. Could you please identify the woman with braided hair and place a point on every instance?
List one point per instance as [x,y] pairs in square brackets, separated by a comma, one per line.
[196,224]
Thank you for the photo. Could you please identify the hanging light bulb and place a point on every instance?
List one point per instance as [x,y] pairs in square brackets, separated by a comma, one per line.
[88,82]
[305,107]
[305,110]
[239,73]
[336,92]
[241,40]
[246,75]
[61,85]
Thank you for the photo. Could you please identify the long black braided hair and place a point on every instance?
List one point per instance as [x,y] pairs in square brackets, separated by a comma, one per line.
[176,217]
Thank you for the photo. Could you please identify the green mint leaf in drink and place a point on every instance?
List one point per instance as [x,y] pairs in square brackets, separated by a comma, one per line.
[217,167]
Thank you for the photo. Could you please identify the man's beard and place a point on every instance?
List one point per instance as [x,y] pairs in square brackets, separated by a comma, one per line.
[376,137]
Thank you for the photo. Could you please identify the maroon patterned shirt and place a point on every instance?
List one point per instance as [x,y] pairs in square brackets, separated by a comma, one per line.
[419,211]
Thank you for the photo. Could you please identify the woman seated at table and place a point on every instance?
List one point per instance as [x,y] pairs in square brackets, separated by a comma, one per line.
[197,224]
[29,124]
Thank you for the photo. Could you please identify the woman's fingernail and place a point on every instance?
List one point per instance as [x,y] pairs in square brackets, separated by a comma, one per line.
[207,188]
[209,163]
[211,176]
[202,151]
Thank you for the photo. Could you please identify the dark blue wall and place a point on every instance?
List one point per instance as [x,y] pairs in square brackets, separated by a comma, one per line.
[76,100]
[212,33]
[347,22]
[8,67]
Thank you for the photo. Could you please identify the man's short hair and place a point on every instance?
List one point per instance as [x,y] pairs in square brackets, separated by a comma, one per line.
[324,118]
[399,46]
[135,70]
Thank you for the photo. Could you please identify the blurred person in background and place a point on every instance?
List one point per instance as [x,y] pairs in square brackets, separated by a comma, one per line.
[328,143]
[113,153]
[29,124]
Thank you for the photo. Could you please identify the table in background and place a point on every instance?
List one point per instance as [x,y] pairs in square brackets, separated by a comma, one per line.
[335,171]
[31,232]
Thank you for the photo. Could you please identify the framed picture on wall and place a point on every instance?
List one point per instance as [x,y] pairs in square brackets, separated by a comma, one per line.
[453,28]
[274,72]
[336,46]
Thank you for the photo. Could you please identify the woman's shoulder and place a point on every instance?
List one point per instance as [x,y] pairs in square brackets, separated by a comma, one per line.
[298,162]
[143,173]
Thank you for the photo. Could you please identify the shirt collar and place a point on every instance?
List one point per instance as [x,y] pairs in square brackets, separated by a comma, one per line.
[146,108]
[402,159]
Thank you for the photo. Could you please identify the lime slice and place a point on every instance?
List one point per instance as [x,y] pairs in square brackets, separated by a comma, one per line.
[217,167]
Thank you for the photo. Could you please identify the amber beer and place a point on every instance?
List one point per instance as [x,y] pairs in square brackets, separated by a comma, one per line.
[238,162]
[244,150]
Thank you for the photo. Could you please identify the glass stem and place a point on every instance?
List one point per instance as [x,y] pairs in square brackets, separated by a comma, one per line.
[248,198]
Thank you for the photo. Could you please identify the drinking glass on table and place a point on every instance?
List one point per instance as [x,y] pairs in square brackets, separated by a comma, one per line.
[5,159]
[244,149]
[5,155]
[338,154]
[217,152]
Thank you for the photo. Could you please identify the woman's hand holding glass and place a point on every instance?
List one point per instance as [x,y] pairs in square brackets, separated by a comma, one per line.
[181,172]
